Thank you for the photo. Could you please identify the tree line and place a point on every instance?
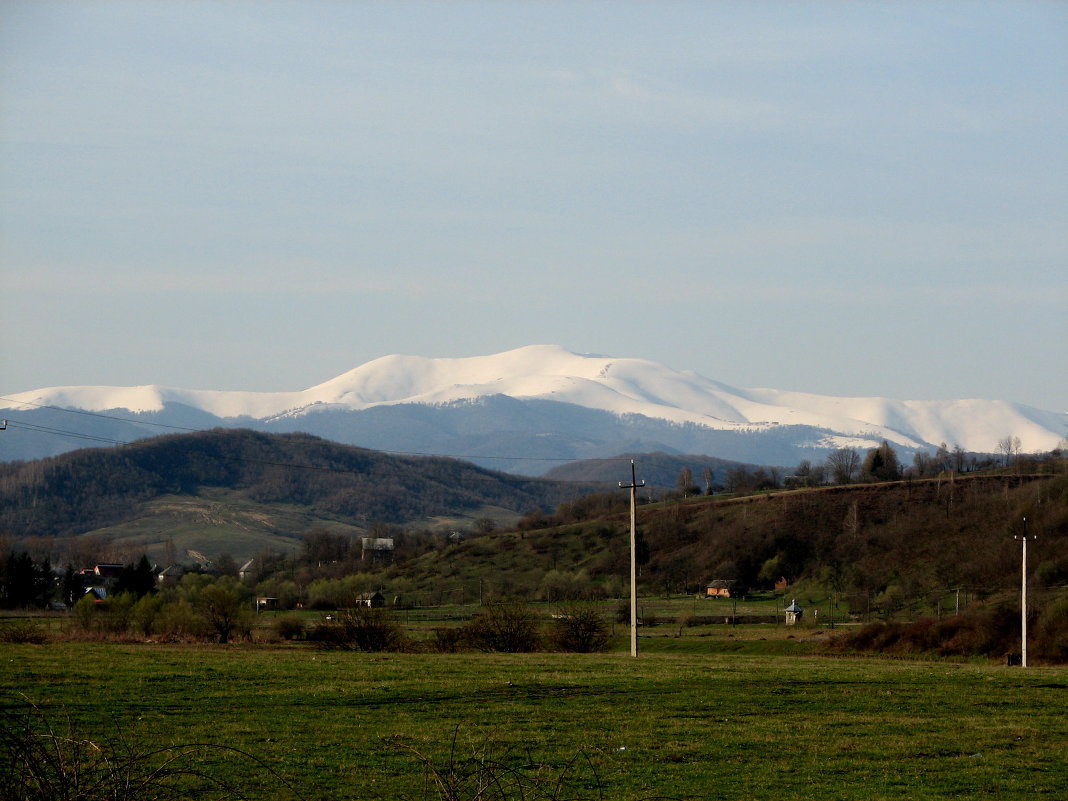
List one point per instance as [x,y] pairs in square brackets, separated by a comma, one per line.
[850,466]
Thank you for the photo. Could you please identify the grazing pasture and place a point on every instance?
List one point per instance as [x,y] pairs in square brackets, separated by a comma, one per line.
[334,725]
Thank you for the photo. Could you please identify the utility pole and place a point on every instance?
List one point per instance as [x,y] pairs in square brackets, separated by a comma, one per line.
[633,487]
[1023,596]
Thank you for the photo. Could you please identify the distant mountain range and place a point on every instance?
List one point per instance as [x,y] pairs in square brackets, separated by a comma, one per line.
[527,409]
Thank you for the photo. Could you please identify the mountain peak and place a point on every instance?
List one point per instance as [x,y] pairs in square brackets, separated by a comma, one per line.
[622,388]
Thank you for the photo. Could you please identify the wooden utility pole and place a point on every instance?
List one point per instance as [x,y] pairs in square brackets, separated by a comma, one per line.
[633,487]
[1023,596]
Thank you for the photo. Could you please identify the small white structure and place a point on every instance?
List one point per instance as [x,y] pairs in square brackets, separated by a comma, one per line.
[793,613]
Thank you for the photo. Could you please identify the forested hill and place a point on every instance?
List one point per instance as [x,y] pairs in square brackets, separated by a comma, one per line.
[90,489]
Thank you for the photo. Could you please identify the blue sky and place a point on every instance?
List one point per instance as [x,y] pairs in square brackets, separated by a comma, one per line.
[842,198]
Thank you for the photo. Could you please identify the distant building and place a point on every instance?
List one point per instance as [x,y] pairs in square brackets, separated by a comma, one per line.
[375,600]
[377,549]
[719,588]
[793,613]
[170,575]
[104,575]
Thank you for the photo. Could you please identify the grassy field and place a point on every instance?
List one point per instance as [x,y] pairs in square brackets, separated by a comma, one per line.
[670,724]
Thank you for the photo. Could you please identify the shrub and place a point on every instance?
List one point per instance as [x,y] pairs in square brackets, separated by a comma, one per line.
[580,629]
[288,627]
[84,613]
[224,608]
[178,621]
[40,761]
[448,640]
[144,613]
[491,772]
[360,629]
[991,631]
[22,632]
[508,628]
[118,612]
[1051,631]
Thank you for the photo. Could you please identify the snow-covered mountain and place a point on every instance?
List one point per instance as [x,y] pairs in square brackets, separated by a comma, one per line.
[540,402]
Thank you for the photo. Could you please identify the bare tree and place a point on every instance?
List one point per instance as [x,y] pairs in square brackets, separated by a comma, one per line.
[960,458]
[1009,447]
[685,482]
[844,465]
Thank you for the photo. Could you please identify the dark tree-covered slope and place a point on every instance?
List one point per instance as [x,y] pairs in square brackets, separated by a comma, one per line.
[88,489]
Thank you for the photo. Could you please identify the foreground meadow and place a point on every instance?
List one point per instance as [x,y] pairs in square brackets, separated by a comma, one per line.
[667,725]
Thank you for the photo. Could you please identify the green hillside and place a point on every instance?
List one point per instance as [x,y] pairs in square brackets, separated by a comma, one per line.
[891,546]
[887,548]
[241,492]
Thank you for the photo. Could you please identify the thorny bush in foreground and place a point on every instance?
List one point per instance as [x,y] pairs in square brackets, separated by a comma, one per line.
[493,772]
[40,761]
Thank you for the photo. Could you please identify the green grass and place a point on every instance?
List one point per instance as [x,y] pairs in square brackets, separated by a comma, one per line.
[222,520]
[669,724]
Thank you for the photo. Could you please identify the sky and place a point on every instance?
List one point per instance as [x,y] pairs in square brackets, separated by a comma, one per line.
[845,198]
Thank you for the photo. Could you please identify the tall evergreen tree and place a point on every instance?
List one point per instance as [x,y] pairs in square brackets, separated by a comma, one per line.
[138,580]
[881,464]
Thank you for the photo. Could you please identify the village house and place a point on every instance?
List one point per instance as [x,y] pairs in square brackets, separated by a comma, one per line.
[719,588]
[377,549]
[98,594]
[170,576]
[103,575]
[375,600]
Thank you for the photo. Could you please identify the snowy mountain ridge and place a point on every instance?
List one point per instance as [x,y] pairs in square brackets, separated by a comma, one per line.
[621,387]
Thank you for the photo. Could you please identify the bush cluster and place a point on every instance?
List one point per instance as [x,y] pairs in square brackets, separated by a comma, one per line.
[360,629]
[199,608]
[991,631]
[23,632]
[500,628]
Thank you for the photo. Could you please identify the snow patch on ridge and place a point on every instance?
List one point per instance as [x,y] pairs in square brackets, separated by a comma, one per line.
[620,386]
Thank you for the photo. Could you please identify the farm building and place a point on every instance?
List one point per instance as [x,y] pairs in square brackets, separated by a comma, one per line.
[375,600]
[719,588]
[377,549]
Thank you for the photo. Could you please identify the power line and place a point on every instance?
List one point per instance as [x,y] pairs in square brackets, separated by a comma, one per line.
[98,414]
[17,424]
